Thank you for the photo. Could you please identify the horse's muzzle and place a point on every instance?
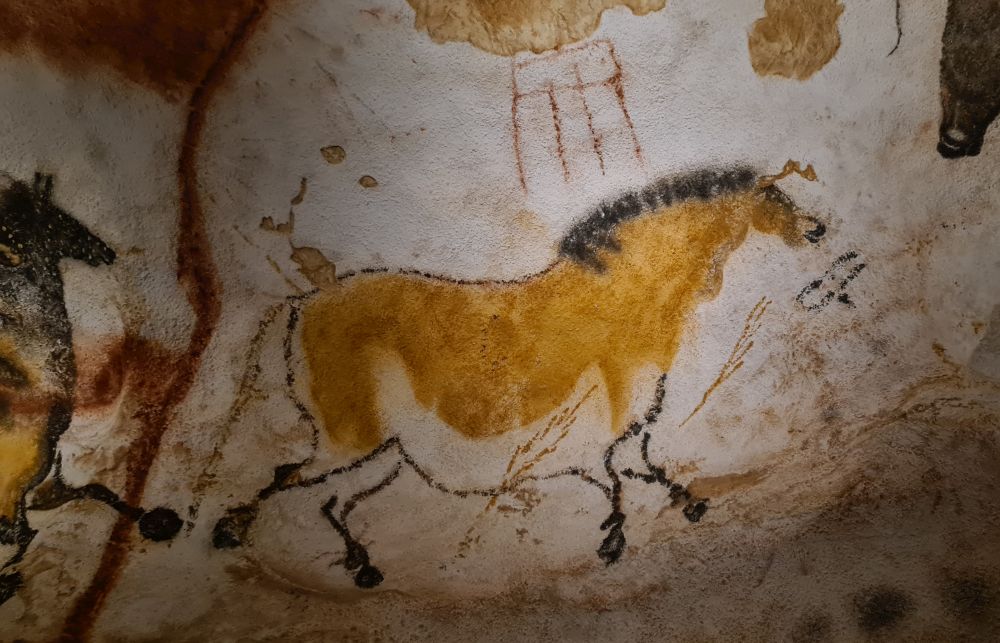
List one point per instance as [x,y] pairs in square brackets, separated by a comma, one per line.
[963,125]
[814,235]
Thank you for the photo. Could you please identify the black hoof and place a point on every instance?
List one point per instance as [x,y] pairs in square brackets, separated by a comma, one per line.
[232,529]
[694,511]
[952,149]
[9,584]
[368,576]
[612,546]
[814,235]
[160,524]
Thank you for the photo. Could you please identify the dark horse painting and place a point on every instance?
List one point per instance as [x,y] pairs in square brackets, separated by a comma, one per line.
[38,369]
[970,75]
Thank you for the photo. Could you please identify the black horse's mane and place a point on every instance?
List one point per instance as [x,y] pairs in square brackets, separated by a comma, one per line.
[597,231]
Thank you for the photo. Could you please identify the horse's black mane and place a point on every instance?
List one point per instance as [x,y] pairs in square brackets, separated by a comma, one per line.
[597,231]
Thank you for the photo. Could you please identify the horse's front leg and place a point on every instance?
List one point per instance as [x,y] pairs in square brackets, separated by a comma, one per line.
[356,556]
[157,524]
[694,508]
[232,530]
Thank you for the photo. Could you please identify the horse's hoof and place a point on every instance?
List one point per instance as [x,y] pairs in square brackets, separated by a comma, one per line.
[9,584]
[694,512]
[951,147]
[232,529]
[613,545]
[160,524]
[368,577]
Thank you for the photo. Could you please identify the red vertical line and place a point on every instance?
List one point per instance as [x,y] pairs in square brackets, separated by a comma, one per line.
[558,124]
[517,127]
[590,118]
[196,273]
[619,88]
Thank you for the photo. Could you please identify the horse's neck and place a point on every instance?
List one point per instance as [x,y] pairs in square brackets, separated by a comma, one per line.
[680,248]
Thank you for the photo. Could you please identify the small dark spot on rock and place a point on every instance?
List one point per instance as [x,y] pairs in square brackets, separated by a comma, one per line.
[969,597]
[879,608]
[367,182]
[814,627]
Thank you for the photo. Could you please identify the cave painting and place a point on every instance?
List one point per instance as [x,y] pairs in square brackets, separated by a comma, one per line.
[795,38]
[970,75]
[558,94]
[506,27]
[37,367]
[493,357]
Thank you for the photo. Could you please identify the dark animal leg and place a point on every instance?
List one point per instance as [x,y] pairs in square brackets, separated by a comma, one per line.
[156,524]
[20,534]
[614,543]
[694,508]
[356,556]
[231,530]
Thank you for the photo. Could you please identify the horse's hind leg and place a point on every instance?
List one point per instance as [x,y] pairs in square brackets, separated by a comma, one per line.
[356,556]
[694,508]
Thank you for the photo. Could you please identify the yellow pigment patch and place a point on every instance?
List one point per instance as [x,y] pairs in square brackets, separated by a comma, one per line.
[20,457]
[795,38]
[506,27]
[492,357]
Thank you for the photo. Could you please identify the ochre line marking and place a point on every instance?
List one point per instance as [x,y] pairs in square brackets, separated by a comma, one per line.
[196,273]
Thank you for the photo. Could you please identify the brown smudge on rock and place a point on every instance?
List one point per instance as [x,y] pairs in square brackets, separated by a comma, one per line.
[795,38]
[717,486]
[969,597]
[314,266]
[881,608]
[368,182]
[813,628]
[108,366]
[165,45]
[333,154]
[512,26]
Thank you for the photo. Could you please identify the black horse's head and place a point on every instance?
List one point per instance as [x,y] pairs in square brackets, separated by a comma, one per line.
[37,371]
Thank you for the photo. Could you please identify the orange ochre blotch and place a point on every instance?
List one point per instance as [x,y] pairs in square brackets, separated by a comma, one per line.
[492,357]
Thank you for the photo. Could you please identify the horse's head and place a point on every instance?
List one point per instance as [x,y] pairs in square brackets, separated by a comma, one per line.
[37,371]
[773,212]
[713,206]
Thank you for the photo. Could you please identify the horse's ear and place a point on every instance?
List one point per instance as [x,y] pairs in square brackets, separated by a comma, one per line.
[64,234]
[42,188]
[75,241]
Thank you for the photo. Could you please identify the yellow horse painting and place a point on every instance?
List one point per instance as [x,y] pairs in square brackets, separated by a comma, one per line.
[494,357]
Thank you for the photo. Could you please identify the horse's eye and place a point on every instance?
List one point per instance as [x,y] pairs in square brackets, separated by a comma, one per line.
[11,376]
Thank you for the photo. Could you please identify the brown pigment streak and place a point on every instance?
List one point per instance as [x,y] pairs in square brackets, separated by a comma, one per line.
[590,118]
[517,128]
[558,125]
[196,272]
[165,45]
[618,86]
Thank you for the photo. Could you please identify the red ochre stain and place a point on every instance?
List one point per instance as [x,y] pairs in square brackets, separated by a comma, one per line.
[201,41]
[493,357]
[165,45]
